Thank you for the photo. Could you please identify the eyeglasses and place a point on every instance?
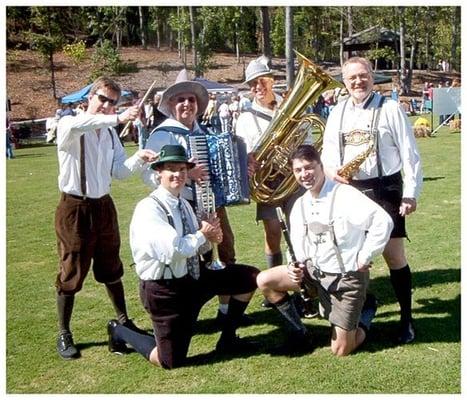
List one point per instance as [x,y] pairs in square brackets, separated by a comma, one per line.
[353,78]
[104,99]
[191,99]
[263,81]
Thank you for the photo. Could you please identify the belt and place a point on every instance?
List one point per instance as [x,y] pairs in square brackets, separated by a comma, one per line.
[83,198]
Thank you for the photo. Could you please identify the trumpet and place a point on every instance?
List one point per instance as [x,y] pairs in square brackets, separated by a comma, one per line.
[209,208]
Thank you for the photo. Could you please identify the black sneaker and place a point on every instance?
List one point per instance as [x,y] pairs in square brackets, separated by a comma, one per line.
[130,325]
[297,343]
[115,346]
[406,333]
[368,312]
[65,346]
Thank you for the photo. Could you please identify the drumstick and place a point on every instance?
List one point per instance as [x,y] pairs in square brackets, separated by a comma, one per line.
[127,126]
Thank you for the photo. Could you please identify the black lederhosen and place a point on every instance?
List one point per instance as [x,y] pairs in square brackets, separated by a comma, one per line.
[387,192]
[174,305]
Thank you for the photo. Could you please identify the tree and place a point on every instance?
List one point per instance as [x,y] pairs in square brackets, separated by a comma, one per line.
[142,27]
[289,55]
[193,39]
[48,38]
[266,28]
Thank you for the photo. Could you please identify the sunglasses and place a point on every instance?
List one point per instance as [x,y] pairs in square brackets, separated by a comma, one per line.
[191,99]
[104,99]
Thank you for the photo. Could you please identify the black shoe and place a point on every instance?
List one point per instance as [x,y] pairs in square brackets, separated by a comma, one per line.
[297,343]
[234,344]
[65,346]
[368,312]
[406,333]
[305,310]
[130,325]
[115,346]
[267,304]
[245,320]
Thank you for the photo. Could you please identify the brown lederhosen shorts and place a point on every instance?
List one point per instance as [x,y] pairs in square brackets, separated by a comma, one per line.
[174,304]
[341,296]
[387,192]
[87,229]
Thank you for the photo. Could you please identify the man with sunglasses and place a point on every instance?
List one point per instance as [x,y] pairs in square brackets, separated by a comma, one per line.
[335,231]
[90,155]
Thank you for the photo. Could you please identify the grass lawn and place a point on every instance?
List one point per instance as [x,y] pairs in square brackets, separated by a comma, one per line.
[430,365]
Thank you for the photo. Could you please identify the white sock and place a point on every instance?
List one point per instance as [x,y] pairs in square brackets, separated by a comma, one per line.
[224,308]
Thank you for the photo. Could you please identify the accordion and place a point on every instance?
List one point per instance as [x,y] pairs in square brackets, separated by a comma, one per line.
[225,157]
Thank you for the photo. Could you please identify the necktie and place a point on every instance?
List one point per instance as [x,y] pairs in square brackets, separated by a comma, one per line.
[192,263]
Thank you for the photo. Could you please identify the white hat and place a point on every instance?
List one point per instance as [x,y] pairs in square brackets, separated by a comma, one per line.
[257,68]
[184,85]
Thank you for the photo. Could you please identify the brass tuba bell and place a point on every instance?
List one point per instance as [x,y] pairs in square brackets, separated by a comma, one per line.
[274,181]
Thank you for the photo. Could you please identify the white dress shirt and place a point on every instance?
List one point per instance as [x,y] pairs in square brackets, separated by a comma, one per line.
[102,163]
[248,129]
[362,228]
[155,243]
[397,145]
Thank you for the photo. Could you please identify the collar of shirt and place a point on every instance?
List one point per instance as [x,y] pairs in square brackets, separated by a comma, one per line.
[167,198]
[328,185]
[172,122]
[258,107]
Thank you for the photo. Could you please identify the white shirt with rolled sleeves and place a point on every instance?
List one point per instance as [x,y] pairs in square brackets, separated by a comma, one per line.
[155,243]
[100,159]
[397,145]
[362,228]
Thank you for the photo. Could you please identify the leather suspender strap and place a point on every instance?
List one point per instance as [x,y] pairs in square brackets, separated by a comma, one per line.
[82,162]
[375,126]
[260,114]
[82,167]
[171,222]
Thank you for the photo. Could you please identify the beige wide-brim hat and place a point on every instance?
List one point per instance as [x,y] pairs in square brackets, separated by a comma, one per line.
[256,68]
[184,85]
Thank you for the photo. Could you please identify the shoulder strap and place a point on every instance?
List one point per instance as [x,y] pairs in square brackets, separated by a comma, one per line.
[331,225]
[375,126]
[171,222]
[164,208]
[82,168]
[260,114]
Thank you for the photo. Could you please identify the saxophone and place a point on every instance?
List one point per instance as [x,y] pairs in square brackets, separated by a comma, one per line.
[274,180]
[348,170]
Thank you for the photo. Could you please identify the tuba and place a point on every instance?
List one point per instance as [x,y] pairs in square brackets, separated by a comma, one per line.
[274,181]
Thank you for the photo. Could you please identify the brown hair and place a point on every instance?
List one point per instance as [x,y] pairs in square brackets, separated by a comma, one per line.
[106,82]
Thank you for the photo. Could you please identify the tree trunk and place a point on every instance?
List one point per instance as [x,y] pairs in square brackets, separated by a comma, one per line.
[266,23]
[349,27]
[455,25]
[179,41]
[193,40]
[142,28]
[52,74]
[289,55]
[403,73]
[341,38]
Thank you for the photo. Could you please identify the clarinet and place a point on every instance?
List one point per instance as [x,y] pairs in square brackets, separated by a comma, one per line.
[307,300]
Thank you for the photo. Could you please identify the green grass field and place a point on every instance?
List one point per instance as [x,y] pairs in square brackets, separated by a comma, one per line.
[430,365]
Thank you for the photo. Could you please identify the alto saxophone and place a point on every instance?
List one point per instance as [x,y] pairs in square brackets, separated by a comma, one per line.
[348,170]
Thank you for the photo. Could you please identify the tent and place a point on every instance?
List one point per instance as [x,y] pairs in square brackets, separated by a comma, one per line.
[82,94]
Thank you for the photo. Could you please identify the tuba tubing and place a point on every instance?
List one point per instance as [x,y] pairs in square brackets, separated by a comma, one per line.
[274,181]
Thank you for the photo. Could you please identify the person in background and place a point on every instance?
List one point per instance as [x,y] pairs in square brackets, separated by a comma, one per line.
[89,156]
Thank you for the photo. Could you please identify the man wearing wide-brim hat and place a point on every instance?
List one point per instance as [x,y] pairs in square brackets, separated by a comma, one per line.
[250,126]
[183,102]
[166,240]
